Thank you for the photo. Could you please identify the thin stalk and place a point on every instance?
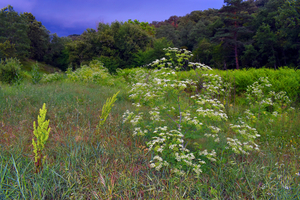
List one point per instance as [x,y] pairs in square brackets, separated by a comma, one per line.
[18,177]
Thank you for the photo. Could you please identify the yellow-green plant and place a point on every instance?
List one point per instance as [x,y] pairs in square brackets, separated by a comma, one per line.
[107,108]
[41,133]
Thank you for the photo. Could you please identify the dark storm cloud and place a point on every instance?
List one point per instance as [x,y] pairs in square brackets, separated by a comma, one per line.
[74,16]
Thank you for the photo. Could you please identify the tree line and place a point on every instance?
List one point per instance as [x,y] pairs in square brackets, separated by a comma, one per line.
[22,36]
[242,34]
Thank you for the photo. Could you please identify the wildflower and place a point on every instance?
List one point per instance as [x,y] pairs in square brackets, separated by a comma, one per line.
[152,165]
[286,187]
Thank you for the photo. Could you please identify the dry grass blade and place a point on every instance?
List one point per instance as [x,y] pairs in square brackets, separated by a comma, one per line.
[102,180]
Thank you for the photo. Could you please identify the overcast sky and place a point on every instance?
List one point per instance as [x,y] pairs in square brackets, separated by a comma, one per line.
[66,17]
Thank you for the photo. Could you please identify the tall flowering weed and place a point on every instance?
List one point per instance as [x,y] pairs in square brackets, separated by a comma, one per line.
[180,111]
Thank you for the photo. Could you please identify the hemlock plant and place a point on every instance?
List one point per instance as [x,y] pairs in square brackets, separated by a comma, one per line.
[180,112]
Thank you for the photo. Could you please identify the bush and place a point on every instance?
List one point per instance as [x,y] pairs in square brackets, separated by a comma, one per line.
[94,73]
[110,63]
[48,78]
[283,79]
[36,76]
[10,70]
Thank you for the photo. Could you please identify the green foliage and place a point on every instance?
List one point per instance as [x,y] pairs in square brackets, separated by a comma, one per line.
[203,51]
[36,75]
[13,28]
[130,75]
[262,100]
[113,44]
[111,63]
[106,109]
[267,41]
[251,34]
[144,25]
[152,53]
[129,39]
[180,115]
[41,132]
[84,163]
[236,15]
[282,79]
[7,50]
[95,73]
[57,53]
[169,32]
[39,37]
[249,57]
[247,33]
[53,77]
[198,32]
[10,70]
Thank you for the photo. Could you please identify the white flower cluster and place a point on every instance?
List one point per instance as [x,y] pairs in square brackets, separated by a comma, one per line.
[214,85]
[211,156]
[214,133]
[170,144]
[211,108]
[191,121]
[154,115]
[162,90]
[132,118]
[199,66]
[249,115]
[212,114]
[135,120]
[127,115]
[246,133]
[139,132]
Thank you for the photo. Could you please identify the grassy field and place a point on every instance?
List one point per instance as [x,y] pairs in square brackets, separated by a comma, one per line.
[86,163]
[216,113]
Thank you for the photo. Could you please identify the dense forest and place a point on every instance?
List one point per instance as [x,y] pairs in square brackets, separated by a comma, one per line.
[242,34]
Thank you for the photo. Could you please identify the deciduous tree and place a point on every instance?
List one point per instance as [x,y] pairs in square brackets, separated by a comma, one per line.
[38,35]
[13,28]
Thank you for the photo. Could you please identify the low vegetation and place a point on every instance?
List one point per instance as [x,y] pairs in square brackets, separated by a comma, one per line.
[176,130]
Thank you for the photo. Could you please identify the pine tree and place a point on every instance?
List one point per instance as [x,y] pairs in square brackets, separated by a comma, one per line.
[236,15]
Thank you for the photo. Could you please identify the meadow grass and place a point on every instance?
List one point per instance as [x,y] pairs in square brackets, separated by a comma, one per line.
[86,163]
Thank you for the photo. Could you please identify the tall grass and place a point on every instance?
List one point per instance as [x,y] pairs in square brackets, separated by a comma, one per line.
[115,165]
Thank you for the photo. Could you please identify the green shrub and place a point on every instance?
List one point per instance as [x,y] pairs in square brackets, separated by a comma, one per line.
[283,79]
[94,73]
[10,70]
[111,63]
[48,78]
[36,75]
